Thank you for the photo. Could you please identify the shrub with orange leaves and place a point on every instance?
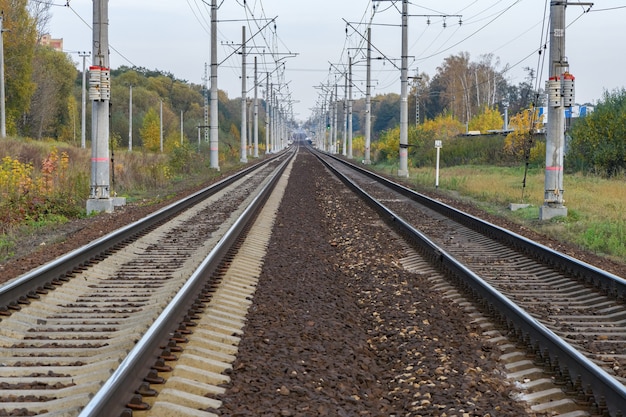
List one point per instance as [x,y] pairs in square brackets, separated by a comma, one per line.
[29,194]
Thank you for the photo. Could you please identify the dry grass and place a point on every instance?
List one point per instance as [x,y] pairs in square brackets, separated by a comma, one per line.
[596,218]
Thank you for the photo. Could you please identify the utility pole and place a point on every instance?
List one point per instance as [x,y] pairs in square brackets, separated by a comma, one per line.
[161,127]
[560,87]
[335,119]
[130,119]
[267,113]
[271,115]
[244,135]
[331,109]
[350,107]
[417,98]
[206,105]
[3,117]
[250,117]
[275,120]
[100,95]
[214,140]
[404,101]
[368,100]
[83,100]
[344,151]
[256,109]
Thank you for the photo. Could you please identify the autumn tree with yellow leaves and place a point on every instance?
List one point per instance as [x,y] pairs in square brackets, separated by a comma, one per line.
[520,142]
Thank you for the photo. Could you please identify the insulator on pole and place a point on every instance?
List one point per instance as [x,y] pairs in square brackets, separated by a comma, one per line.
[94,83]
[553,86]
[567,85]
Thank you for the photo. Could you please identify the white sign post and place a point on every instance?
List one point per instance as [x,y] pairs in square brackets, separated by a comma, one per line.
[438,146]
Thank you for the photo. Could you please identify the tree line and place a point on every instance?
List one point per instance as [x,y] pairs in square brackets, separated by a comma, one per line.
[462,88]
[43,94]
[44,88]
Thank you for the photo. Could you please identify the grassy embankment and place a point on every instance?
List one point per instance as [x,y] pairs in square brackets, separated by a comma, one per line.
[596,220]
[44,184]
[37,190]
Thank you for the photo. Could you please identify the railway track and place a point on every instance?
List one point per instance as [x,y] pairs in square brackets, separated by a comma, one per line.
[68,325]
[66,345]
[568,313]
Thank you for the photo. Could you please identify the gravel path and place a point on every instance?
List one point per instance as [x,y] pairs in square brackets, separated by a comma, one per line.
[339,329]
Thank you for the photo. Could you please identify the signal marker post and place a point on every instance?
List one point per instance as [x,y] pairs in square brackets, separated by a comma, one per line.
[438,145]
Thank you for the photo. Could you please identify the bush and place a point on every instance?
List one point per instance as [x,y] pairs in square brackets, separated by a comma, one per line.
[597,144]
[27,194]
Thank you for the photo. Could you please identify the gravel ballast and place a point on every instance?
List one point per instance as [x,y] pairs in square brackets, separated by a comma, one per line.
[338,328]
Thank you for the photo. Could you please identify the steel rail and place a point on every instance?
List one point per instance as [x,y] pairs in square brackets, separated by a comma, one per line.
[111,399]
[559,352]
[603,280]
[44,275]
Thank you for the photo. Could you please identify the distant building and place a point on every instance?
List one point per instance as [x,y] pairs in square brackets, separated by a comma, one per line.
[56,44]
[570,112]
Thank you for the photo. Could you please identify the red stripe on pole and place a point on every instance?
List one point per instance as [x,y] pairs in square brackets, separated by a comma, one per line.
[554,168]
[99,159]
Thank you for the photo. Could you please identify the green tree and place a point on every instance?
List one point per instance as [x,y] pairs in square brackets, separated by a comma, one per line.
[387,112]
[597,143]
[49,113]
[20,38]
[150,131]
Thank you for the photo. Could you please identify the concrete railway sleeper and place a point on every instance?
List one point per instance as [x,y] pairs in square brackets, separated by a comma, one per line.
[566,313]
[186,309]
[58,349]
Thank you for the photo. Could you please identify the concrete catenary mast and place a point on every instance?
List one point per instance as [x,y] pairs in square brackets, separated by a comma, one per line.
[403,170]
[99,94]
[368,100]
[560,88]
[214,122]
[244,134]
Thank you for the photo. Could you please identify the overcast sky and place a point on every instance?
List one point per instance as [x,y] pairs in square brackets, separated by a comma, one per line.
[175,37]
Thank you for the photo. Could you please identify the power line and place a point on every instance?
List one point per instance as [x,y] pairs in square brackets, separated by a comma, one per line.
[473,33]
[91,28]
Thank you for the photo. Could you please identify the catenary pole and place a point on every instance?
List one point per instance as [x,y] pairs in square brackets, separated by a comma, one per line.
[100,74]
[272,116]
[404,101]
[100,95]
[161,126]
[130,119]
[256,109]
[244,134]
[83,102]
[331,112]
[344,141]
[214,122]
[368,100]
[267,113]
[553,197]
[335,114]
[350,107]
[3,117]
